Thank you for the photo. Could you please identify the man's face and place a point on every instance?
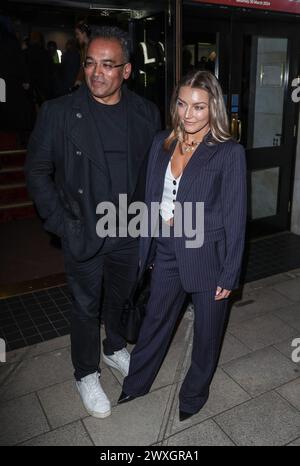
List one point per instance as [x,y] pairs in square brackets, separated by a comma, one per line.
[103,80]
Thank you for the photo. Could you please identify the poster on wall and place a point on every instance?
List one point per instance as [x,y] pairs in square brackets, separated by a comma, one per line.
[288,6]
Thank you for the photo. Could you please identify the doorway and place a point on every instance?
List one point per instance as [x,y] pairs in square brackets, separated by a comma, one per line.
[150,26]
[255,57]
[149,23]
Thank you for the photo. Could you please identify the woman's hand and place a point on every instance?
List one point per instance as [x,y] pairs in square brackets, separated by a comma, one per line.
[221,293]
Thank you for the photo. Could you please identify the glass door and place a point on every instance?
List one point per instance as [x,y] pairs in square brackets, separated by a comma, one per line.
[255,61]
[150,58]
[154,55]
[263,117]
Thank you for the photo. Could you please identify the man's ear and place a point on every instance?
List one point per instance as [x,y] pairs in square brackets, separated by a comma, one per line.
[127,70]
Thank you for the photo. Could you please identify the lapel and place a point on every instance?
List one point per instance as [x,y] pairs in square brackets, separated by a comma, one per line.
[83,131]
[159,171]
[200,158]
[85,135]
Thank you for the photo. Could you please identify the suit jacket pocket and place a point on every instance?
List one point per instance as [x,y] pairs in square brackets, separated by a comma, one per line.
[73,226]
[214,235]
[55,224]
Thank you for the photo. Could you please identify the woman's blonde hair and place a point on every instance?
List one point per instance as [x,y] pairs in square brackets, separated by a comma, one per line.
[218,120]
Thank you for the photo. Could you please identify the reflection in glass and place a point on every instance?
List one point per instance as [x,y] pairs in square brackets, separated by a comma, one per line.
[268,64]
[149,59]
[264,192]
[200,55]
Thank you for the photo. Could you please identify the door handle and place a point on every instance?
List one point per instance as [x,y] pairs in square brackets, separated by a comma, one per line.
[240,131]
[236,127]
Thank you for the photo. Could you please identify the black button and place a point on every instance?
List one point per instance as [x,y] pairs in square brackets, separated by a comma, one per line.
[174,191]
[173,211]
[174,182]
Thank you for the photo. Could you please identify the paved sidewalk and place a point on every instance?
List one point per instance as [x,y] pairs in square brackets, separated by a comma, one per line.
[254,400]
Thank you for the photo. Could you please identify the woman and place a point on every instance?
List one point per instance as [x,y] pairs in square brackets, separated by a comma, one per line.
[82,34]
[198,162]
[70,64]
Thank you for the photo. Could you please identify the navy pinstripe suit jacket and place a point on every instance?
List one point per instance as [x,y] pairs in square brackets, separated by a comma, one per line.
[216,176]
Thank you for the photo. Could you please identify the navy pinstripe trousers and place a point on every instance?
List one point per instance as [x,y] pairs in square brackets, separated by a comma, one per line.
[163,309]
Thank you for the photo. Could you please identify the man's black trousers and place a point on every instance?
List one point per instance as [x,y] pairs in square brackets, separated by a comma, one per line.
[112,270]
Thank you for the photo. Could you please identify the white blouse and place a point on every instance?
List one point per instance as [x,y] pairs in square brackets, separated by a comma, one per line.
[171,185]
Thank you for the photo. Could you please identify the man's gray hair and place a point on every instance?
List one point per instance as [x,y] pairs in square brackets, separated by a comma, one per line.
[113,33]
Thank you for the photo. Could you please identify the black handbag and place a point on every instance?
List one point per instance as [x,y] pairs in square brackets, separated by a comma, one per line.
[135,307]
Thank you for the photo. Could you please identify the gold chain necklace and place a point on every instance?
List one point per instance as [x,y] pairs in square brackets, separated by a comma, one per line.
[189,147]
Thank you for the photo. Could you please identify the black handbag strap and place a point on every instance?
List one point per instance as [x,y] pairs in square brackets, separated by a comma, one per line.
[141,275]
[139,282]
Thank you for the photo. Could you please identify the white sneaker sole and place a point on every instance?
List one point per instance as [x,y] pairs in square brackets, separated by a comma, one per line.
[96,414]
[111,363]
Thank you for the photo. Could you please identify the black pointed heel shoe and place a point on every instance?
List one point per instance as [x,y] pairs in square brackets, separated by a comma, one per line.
[124,398]
[183,415]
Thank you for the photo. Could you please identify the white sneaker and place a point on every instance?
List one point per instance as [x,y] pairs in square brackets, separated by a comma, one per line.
[93,397]
[119,360]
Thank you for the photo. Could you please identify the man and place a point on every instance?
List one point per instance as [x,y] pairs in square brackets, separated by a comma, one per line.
[87,148]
